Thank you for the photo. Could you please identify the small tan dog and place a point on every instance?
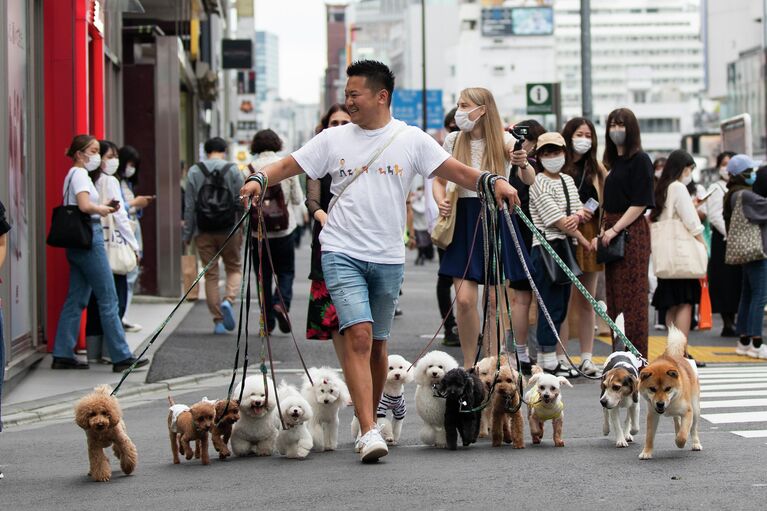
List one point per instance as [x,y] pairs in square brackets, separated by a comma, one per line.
[507,424]
[670,386]
[100,416]
[544,403]
[187,424]
[486,373]
[222,426]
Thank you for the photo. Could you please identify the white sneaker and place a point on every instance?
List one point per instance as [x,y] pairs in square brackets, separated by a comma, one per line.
[753,352]
[371,446]
[760,352]
[742,350]
[588,368]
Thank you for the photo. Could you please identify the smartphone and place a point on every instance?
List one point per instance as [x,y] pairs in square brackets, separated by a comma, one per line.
[113,203]
[591,205]
[707,195]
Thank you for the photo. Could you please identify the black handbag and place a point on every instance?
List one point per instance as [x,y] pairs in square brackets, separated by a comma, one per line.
[70,227]
[564,250]
[614,251]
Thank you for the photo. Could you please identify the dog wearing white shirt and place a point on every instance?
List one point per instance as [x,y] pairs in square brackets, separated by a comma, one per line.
[394,399]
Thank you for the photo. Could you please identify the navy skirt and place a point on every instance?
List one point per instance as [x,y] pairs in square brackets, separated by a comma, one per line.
[456,256]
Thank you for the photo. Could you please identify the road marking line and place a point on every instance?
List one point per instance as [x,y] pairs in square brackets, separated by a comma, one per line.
[753,379]
[733,386]
[753,433]
[734,393]
[734,403]
[724,418]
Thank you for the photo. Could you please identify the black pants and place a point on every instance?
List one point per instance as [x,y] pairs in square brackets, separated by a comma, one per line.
[444,285]
[284,258]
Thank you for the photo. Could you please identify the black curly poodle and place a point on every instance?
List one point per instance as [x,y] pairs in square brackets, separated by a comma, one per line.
[463,391]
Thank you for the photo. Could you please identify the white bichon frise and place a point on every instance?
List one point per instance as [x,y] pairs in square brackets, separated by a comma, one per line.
[295,441]
[429,371]
[255,432]
[394,399]
[327,396]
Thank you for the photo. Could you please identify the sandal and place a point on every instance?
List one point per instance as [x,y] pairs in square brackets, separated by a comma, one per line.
[562,370]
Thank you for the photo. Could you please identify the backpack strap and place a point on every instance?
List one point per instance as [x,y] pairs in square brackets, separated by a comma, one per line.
[203,168]
[226,168]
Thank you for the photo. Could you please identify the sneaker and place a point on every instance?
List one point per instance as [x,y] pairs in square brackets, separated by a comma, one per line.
[68,363]
[761,351]
[121,366]
[131,327]
[371,446]
[451,338]
[562,370]
[219,329]
[282,318]
[228,312]
[397,312]
[754,352]
[588,368]
[660,327]
[741,349]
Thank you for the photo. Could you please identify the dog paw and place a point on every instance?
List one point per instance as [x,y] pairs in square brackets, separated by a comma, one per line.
[634,430]
[621,443]
[680,442]
[101,476]
[518,446]
[645,455]
[559,443]
[536,440]
[697,447]
[629,437]
[483,434]
[605,430]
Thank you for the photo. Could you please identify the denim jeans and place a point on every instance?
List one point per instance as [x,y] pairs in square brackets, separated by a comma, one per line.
[555,297]
[753,298]
[283,252]
[363,292]
[89,271]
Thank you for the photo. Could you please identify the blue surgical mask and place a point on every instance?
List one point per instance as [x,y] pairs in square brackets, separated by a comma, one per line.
[750,180]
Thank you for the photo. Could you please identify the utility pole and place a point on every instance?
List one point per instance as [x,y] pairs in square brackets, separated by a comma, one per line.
[587,105]
[423,63]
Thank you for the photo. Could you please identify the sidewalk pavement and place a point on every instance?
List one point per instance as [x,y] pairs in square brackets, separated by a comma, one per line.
[43,387]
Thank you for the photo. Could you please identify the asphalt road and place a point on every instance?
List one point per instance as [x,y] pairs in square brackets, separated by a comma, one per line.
[45,466]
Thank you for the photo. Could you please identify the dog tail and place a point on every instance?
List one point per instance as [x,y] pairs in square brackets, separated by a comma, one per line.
[677,342]
[103,389]
[170,400]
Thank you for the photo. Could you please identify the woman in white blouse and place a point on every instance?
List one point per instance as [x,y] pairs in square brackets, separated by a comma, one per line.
[678,296]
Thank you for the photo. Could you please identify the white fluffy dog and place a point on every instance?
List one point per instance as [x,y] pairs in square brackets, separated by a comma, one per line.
[429,371]
[327,396]
[394,399]
[295,441]
[255,432]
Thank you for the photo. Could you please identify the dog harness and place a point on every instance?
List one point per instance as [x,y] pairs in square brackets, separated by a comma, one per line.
[543,411]
[394,403]
[175,411]
[624,359]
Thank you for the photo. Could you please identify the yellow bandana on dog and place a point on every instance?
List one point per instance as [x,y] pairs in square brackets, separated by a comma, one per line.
[543,411]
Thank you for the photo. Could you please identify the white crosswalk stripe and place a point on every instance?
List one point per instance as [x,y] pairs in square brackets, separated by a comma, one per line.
[736,398]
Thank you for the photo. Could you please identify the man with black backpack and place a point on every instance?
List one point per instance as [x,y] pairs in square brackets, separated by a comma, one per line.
[211,209]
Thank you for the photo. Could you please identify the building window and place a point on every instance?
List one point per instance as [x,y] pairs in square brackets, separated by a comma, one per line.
[640,96]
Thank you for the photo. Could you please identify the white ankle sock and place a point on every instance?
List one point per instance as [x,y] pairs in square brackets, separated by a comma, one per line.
[547,360]
[585,355]
[522,355]
[562,359]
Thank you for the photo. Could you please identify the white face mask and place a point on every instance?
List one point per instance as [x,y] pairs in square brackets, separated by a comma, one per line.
[94,161]
[110,166]
[724,174]
[462,119]
[658,173]
[618,135]
[686,180]
[582,145]
[553,165]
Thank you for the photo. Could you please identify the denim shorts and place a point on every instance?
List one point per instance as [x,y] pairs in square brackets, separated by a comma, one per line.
[363,292]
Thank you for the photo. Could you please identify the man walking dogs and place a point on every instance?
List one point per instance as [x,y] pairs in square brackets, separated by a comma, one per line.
[372,162]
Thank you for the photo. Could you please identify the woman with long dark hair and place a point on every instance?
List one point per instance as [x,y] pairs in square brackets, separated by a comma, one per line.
[89,269]
[589,176]
[321,320]
[672,200]
[628,193]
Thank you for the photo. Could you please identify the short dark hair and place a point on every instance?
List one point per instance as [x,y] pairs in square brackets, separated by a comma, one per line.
[377,75]
[633,142]
[265,140]
[105,146]
[721,156]
[335,107]
[215,145]
[450,120]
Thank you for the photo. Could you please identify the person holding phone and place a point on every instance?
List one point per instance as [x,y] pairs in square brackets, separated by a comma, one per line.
[589,176]
[89,269]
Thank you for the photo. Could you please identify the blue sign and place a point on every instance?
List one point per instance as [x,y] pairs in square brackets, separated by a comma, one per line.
[407,107]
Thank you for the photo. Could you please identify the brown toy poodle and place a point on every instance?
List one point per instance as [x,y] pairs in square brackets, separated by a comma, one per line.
[507,422]
[222,426]
[100,416]
[187,424]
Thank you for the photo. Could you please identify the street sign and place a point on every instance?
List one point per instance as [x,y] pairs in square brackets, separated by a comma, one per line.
[540,98]
[497,22]
[236,53]
[407,107]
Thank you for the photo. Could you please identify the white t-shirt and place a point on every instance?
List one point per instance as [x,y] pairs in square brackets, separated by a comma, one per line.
[368,221]
[80,182]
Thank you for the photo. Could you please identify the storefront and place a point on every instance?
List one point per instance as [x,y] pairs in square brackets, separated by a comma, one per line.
[22,178]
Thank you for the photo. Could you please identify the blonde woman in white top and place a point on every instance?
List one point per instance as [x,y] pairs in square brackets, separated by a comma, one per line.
[678,296]
[483,144]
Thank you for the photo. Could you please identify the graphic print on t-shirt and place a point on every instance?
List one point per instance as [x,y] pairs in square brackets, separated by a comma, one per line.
[388,170]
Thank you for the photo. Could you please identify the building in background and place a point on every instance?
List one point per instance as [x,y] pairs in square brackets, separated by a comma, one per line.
[333,85]
[647,55]
[267,66]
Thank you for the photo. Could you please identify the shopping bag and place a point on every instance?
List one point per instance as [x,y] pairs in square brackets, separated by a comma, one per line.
[705,317]
[189,273]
